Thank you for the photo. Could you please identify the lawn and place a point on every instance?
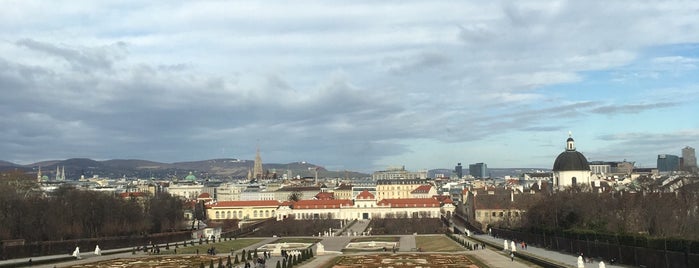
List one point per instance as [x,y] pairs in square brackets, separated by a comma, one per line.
[221,247]
[439,243]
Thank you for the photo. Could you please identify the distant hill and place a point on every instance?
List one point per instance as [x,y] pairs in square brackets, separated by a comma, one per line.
[7,164]
[226,168]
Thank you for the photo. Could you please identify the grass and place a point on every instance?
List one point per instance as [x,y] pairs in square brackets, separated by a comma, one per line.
[221,247]
[297,240]
[438,243]
[376,239]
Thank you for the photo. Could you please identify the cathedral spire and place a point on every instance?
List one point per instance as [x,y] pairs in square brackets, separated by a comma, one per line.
[257,171]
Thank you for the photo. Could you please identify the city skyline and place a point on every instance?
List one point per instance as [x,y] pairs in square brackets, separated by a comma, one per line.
[356,85]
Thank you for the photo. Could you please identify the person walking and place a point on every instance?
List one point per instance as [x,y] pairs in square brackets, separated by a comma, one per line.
[512,256]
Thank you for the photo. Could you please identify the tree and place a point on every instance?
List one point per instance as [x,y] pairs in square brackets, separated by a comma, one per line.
[295,196]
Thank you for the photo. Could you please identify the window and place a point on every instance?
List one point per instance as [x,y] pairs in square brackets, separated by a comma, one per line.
[229,214]
[494,214]
[254,213]
[501,214]
[266,213]
[217,215]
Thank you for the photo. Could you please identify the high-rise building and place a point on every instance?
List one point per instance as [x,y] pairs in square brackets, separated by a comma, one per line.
[689,159]
[459,170]
[478,170]
[668,163]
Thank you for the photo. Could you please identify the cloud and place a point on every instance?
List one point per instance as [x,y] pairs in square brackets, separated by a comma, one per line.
[643,146]
[101,58]
[338,82]
[632,108]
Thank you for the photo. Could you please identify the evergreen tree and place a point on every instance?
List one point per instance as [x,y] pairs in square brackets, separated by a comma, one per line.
[284,263]
[201,265]
[255,255]
[279,264]
[228,261]
[220,263]
[211,263]
[236,260]
[250,255]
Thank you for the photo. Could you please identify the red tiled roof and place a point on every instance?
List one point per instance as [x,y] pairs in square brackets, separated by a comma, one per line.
[319,204]
[204,195]
[365,195]
[422,189]
[325,196]
[410,202]
[444,199]
[287,203]
[250,203]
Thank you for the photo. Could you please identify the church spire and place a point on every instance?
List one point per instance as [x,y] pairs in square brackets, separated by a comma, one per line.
[257,171]
[570,143]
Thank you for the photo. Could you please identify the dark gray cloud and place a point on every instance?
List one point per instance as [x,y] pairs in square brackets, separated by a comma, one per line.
[100,58]
[632,108]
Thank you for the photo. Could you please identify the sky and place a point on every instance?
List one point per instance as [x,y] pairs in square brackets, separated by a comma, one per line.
[349,85]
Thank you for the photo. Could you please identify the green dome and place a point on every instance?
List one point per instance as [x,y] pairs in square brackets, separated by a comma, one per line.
[190,177]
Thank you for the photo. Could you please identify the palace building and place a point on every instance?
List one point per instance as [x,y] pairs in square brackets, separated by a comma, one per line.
[364,206]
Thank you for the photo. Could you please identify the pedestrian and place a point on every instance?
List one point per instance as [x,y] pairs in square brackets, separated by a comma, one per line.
[512,256]
[525,246]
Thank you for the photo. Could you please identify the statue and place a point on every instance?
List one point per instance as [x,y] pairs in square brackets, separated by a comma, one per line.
[76,253]
[504,245]
[98,251]
[320,250]
[601,265]
[277,251]
[581,263]
[513,246]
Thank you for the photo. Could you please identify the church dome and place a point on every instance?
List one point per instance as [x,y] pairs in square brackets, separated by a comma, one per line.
[571,160]
[190,177]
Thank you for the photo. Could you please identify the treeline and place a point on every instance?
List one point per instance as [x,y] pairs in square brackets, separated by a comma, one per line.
[654,214]
[67,213]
